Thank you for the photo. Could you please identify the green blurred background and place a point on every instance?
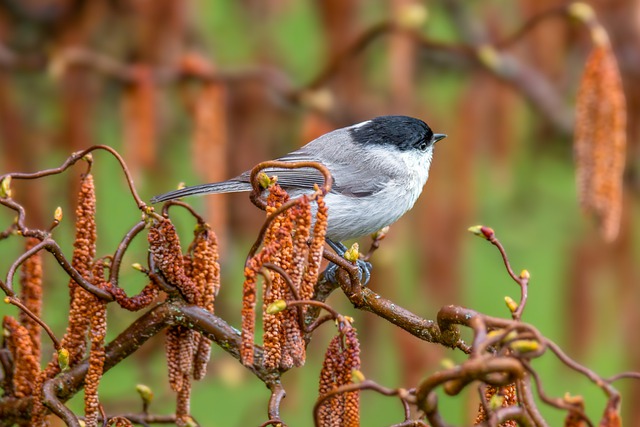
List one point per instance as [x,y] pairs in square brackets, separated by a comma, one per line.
[507,163]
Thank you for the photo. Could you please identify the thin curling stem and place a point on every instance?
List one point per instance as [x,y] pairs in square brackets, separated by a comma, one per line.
[169,203]
[19,223]
[114,271]
[364,39]
[52,402]
[357,46]
[277,394]
[52,247]
[15,301]
[364,385]
[17,263]
[555,402]
[257,191]
[523,282]
[283,273]
[530,25]
[327,307]
[623,375]
[592,376]
[73,159]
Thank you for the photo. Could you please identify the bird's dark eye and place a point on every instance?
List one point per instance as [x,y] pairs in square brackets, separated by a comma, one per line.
[423,146]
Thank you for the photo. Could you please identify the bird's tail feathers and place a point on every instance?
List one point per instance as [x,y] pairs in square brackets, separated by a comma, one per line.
[230,186]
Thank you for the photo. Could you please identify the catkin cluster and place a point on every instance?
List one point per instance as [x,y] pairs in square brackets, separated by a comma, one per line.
[600,140]
[289,260]
[196,277]
[341,359]
[507,397]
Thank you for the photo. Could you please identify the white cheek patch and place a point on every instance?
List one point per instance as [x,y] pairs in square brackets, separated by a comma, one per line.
[359,125]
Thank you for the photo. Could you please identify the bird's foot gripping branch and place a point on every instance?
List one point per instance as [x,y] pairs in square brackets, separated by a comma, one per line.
[180,301]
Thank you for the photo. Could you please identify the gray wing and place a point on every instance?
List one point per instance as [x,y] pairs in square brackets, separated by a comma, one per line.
[291,179]
[355,173]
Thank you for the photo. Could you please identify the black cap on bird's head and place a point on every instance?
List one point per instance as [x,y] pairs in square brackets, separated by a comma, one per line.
[403,132]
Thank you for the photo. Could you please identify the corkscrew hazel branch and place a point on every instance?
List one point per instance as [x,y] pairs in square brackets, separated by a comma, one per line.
[114,271]
[258,189]
[367,384]
[15,301]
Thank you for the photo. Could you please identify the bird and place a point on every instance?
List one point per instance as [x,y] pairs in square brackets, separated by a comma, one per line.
[379,168]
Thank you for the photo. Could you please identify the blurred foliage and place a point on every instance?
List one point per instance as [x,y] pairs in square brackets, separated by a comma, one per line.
[504,164]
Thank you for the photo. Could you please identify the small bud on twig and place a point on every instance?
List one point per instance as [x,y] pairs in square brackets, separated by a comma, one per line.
[524,274]
[265,181]
[412,16]
[357,376]
[145,393]
[137,266]
[353,253]
[318,99]
[447,363]
[494,333]
[380,234]
[482,231]
[573,400]
[510,336]
[276,307]
[581,11]
[511,304]
[496,401]
[524,346]
[63,359]
[57,215]
[488,56]
[5,188]
[585,14]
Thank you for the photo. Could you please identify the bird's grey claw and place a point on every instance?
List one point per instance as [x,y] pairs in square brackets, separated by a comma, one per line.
[364,272]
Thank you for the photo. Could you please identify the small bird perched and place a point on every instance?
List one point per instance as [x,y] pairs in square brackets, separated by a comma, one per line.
[379,168]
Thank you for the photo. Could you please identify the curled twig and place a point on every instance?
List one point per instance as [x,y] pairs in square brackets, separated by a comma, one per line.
[15,301]
[52,247]
[364,385]
[277,394]
[257,190]
[189,208]
[114,271]
[52,402]
[73,159]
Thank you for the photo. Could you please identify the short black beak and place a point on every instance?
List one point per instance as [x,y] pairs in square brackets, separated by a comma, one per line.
[438,136]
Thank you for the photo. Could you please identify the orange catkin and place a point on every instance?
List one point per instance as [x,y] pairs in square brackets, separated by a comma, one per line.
[509,399]
[97,356]
[84,253]
[31,295]
[278,240]
[210,136]
[206,275]
[164,246]
[140,119]
[26,365]
[600,140]
[341,359]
